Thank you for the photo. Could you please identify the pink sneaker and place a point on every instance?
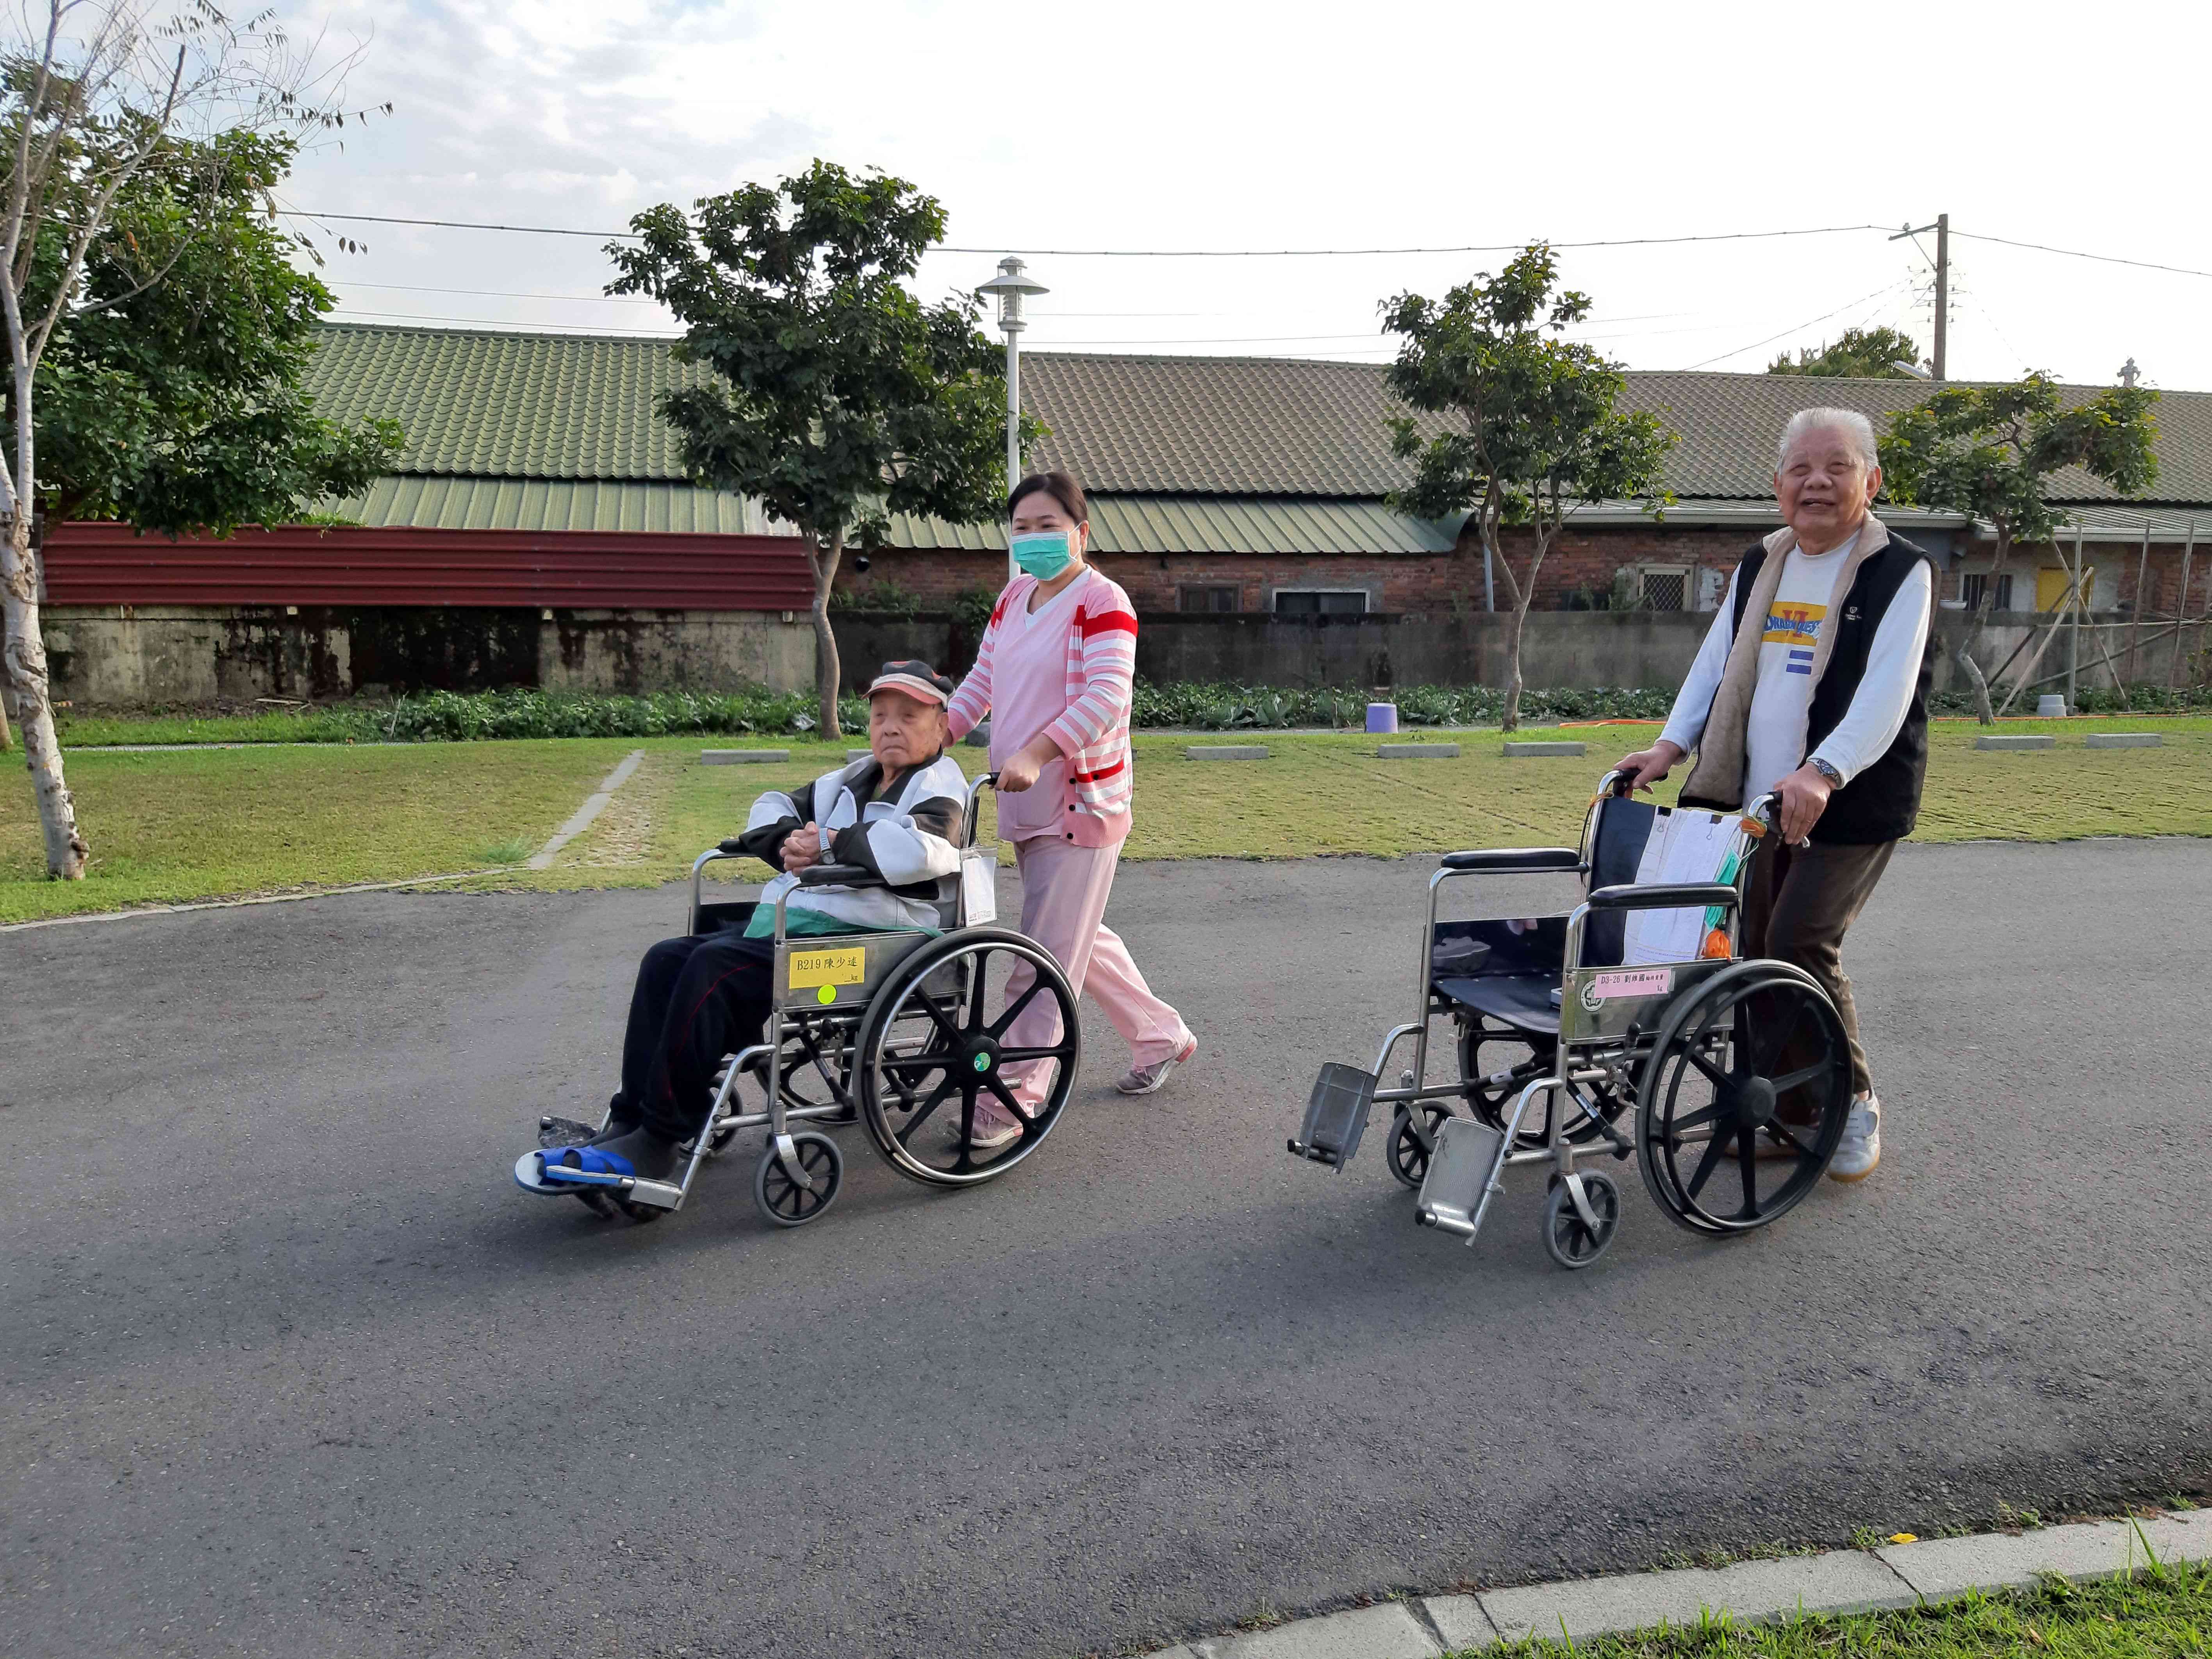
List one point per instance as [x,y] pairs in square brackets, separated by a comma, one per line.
[1150,1079]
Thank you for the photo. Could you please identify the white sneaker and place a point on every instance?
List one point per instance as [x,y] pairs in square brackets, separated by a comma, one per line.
[993,1128]
[1860,1150]
[1150,1079]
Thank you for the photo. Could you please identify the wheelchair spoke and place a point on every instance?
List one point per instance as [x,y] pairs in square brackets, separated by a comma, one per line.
[997,1029]
[921,1114]
[1006,1099]
[1012,1056]
[1697,1119]
[1721,1079]
[953,1033]
[1762,1064]
[1714,1149]
[1798,1079]
[912,1063]
[1746,1158]
[1775,1127]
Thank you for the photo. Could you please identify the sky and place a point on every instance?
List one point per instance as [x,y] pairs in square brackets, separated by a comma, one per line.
[1054,130]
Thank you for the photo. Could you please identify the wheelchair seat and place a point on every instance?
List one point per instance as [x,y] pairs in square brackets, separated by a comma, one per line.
[1522,1001]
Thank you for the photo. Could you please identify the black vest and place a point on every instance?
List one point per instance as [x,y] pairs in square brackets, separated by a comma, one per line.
[1882,803]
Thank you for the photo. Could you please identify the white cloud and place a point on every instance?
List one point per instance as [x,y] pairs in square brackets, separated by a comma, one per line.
[1198,123]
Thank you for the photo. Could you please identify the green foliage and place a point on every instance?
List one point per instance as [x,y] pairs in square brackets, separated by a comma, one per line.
[883,597]
[1530,426]
[841,398]
[971,610]
[1857,353]
[1216,707]
[179,405]
[1987,449]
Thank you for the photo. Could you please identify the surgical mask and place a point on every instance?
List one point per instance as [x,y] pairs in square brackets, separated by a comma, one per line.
[1043,555]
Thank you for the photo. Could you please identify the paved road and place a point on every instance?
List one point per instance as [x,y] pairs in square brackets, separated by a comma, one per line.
[291,1368]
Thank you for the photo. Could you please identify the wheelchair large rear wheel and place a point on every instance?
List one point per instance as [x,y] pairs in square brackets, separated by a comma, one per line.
[934,1047]
[1743,1098]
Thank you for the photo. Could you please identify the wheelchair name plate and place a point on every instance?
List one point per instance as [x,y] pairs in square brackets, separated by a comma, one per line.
[1599,1005]
[1628,982]
[845,966]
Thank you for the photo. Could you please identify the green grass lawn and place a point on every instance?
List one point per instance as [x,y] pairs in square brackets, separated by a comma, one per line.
[195,824]
[2163,1613]
[166,828]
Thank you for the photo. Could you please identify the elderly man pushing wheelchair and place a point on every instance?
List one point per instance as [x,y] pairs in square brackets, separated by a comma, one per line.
[1812,685]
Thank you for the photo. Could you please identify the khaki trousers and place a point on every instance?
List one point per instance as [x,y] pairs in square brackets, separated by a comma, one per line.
[1797,905]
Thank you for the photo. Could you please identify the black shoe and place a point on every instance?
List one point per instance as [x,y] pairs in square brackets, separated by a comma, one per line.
[619,1123]
[650,1156]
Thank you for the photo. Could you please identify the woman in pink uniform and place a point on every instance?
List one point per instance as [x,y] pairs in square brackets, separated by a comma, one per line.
[1053,673]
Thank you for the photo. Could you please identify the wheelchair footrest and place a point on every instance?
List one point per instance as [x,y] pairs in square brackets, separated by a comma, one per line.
[1336,1115]
[1463,1171]
[661,1195]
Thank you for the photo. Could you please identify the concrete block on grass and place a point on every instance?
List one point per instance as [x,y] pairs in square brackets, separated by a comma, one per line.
[1528,750]
[1942,1567]
[1224,751]
[2019,740]
[1418,750]
[1751,1592]
[2126,739]
[742,756]
[1388,1630]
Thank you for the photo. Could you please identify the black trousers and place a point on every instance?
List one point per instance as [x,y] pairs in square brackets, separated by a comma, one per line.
[696,1000]
[1798,903]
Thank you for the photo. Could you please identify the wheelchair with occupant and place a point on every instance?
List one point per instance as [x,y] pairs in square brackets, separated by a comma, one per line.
[1729,1079]
[894,1031]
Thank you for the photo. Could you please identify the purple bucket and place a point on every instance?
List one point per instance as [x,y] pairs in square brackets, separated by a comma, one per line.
[1382,717]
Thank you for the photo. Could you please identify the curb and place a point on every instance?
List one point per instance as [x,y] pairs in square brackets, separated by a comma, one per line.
[1749,1592]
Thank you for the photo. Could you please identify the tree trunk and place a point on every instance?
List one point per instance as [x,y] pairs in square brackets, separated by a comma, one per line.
[1512,721]
[24,657]
[1974,675]
[6,712]
[828,671]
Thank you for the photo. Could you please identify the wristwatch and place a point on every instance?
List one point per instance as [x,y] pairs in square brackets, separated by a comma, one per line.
[1835,778]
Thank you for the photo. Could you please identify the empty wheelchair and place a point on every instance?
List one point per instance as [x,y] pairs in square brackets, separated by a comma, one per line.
[1727,1079]
[894,1031]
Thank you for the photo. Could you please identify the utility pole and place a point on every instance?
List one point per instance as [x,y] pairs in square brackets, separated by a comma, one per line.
[1009,287]
[1941,356]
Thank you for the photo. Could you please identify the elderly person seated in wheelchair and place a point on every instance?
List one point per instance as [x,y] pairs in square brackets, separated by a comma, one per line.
[898,813]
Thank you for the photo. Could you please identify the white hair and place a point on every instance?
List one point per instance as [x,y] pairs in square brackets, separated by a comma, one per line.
[1848,421]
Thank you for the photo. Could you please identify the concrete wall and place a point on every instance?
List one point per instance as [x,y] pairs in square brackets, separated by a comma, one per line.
[110,656]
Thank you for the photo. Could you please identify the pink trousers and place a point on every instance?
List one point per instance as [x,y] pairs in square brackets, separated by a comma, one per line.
[1064,892]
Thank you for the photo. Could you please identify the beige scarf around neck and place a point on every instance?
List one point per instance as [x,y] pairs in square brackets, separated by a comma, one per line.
[1723,752]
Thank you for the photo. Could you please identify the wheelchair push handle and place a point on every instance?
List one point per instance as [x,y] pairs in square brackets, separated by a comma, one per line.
[1666,896]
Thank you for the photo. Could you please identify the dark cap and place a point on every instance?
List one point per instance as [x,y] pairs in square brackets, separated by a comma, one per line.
[916,678]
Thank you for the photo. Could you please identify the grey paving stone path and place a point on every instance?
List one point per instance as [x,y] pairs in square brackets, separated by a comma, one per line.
[291,1368]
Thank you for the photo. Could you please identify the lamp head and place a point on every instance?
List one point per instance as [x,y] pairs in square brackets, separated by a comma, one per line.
[1008,287]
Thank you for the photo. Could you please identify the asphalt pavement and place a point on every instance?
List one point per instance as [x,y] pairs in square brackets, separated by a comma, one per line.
[291,1367]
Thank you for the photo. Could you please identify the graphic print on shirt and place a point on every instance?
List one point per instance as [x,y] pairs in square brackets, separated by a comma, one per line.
[1795,624]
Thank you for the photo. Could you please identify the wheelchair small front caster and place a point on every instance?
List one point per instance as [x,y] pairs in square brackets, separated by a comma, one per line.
[1579,1225]
[789,1200]
[1408,1157]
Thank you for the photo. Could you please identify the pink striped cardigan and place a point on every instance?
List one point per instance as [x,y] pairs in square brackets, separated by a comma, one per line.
[1094,732]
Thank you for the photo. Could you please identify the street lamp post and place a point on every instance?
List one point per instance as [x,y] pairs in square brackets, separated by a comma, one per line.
[1008,287]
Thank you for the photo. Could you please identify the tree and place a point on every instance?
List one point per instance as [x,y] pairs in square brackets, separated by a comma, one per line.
[840,397]
[96,92]
[1530,427]
[1986,452]
[1859,354]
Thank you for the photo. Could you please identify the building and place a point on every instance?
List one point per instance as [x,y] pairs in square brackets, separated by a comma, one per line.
[540,530]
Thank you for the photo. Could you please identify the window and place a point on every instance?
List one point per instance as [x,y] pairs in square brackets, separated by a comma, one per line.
[1320,602]
[1208,599]
[1665,588]
[1974,586]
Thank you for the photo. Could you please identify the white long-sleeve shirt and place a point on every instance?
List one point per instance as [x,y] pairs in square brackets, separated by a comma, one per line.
[1774,740]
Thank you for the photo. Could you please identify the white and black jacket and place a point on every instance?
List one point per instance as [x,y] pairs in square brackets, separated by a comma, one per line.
[910,836]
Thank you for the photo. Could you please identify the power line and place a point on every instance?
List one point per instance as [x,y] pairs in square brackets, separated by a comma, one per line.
[1848,305]
[2076,253]
[1132,254]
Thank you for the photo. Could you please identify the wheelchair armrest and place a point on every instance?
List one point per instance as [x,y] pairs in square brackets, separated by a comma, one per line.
[840,875]
[1515,858]
[1665,896]
[732,848]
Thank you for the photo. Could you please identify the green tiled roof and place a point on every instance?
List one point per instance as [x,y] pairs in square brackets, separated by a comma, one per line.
[492,404]
[415,500]
[1196,452]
